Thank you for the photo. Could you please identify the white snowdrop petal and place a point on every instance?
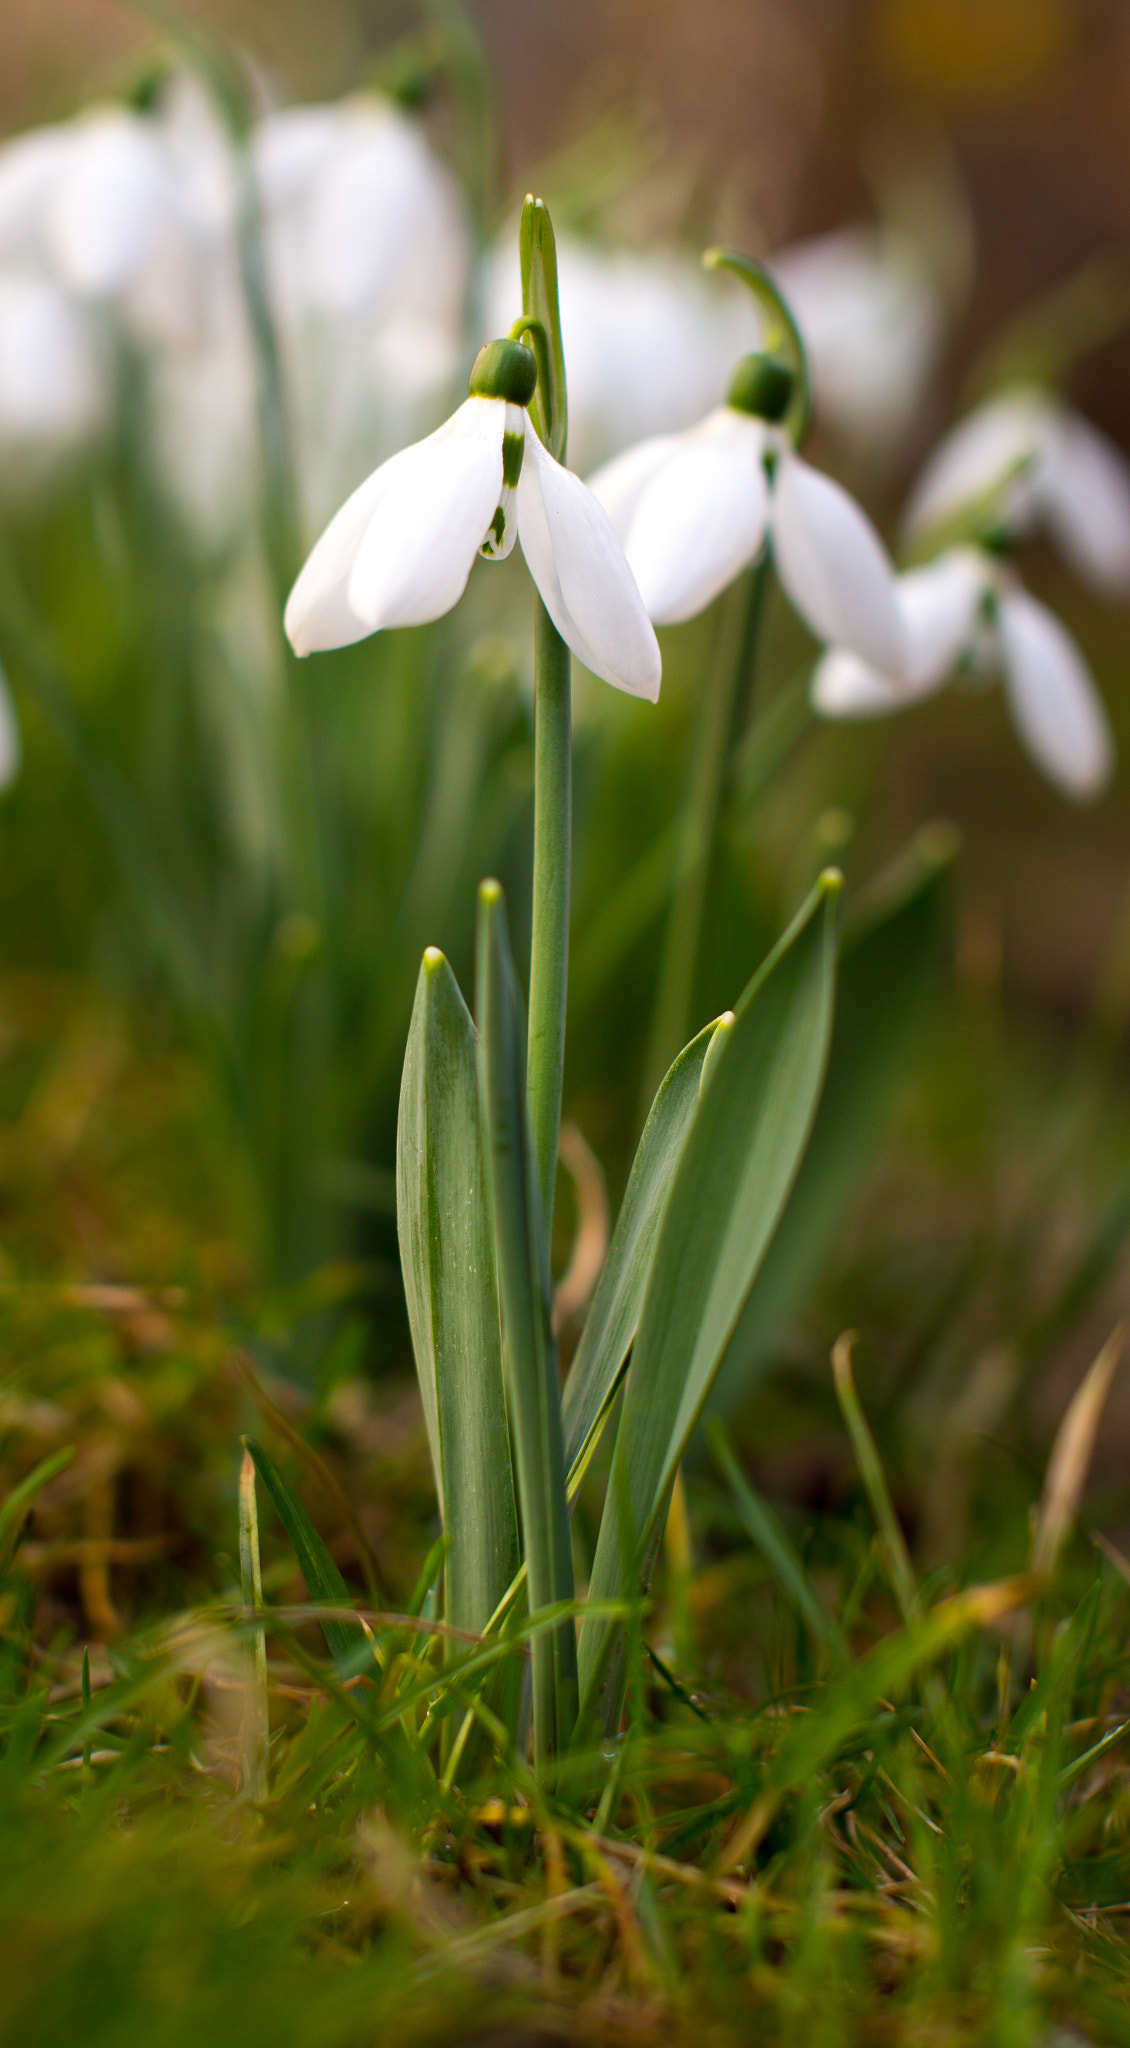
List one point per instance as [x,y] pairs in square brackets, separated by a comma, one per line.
[110,205]
[1002,439]
[619,484]
[834,567]
[579,567]
[319,613]
[1057,709]
[939,604]
[697,524]
[1086,496]
[421,540]
[843,686]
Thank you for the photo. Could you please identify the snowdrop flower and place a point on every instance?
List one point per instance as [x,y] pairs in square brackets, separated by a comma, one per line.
[363,221]
[1025,460]
[968,609]
[694,509]
[53,391]
[400,550]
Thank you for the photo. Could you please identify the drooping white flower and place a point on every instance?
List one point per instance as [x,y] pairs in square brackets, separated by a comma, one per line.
[53,388]
[694,509]
[400,550]
[1028,460]
[967,609]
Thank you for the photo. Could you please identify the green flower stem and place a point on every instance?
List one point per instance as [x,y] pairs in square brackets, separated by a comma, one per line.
[723,716]
[549,955]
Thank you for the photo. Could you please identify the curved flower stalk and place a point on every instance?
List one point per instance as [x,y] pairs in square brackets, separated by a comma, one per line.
[968,611]
[1025,460]
[693,510]
[401,549]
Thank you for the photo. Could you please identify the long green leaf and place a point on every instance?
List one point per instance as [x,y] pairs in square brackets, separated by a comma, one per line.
[527,1325]
[730,1186]
[346,1641]
[614,1315]
[891,962]
[447,1259]
[20,1499]
[538,252]
[763,1529]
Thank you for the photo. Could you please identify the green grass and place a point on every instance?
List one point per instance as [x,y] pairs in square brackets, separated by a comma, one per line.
[871,1831]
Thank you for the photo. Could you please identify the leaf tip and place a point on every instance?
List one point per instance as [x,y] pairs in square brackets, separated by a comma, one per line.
[490,892]
[830,881]
[433,959]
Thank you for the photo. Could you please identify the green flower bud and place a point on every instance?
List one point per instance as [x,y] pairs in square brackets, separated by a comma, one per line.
[504,369]
[762,385]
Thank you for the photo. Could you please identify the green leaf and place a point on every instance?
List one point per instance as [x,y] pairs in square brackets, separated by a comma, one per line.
[527,1323]
[447,1259]
[891,961]
[731,1183]
[614,1314]
[20,1499]
[763,1529]
[346,1641]
[538,252]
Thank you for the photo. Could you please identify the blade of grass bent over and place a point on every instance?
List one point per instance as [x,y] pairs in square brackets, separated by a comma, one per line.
[730,1185]
[763,1528]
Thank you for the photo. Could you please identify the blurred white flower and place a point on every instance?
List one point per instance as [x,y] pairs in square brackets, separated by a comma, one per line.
[966,608]
[694,509]
[11,743]
[1027,460]
[400,550]
[368,254]
[872,317]
[53,389]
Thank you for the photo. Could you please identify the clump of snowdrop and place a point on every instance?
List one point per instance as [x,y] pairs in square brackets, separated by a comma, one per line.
[1026,461]
[693,510]
[401,549]
[968,614]
[1021,462]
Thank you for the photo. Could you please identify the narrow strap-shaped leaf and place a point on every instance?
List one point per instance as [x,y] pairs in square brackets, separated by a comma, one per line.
[763,1529]
[346,1641]
[530,1349]
[730,1186]
[893,953]
[538,252]
[20,1499]
[447,1258]
[614,1314]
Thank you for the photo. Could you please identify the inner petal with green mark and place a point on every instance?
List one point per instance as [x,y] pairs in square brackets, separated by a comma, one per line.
[502,531]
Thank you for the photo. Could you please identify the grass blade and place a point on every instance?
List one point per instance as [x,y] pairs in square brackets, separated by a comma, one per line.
[527,1322]
[255,1730]
[1070,1460]
[763,1529]
[730,1185]
[447,1260]
[873,1477]
[346,1643]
